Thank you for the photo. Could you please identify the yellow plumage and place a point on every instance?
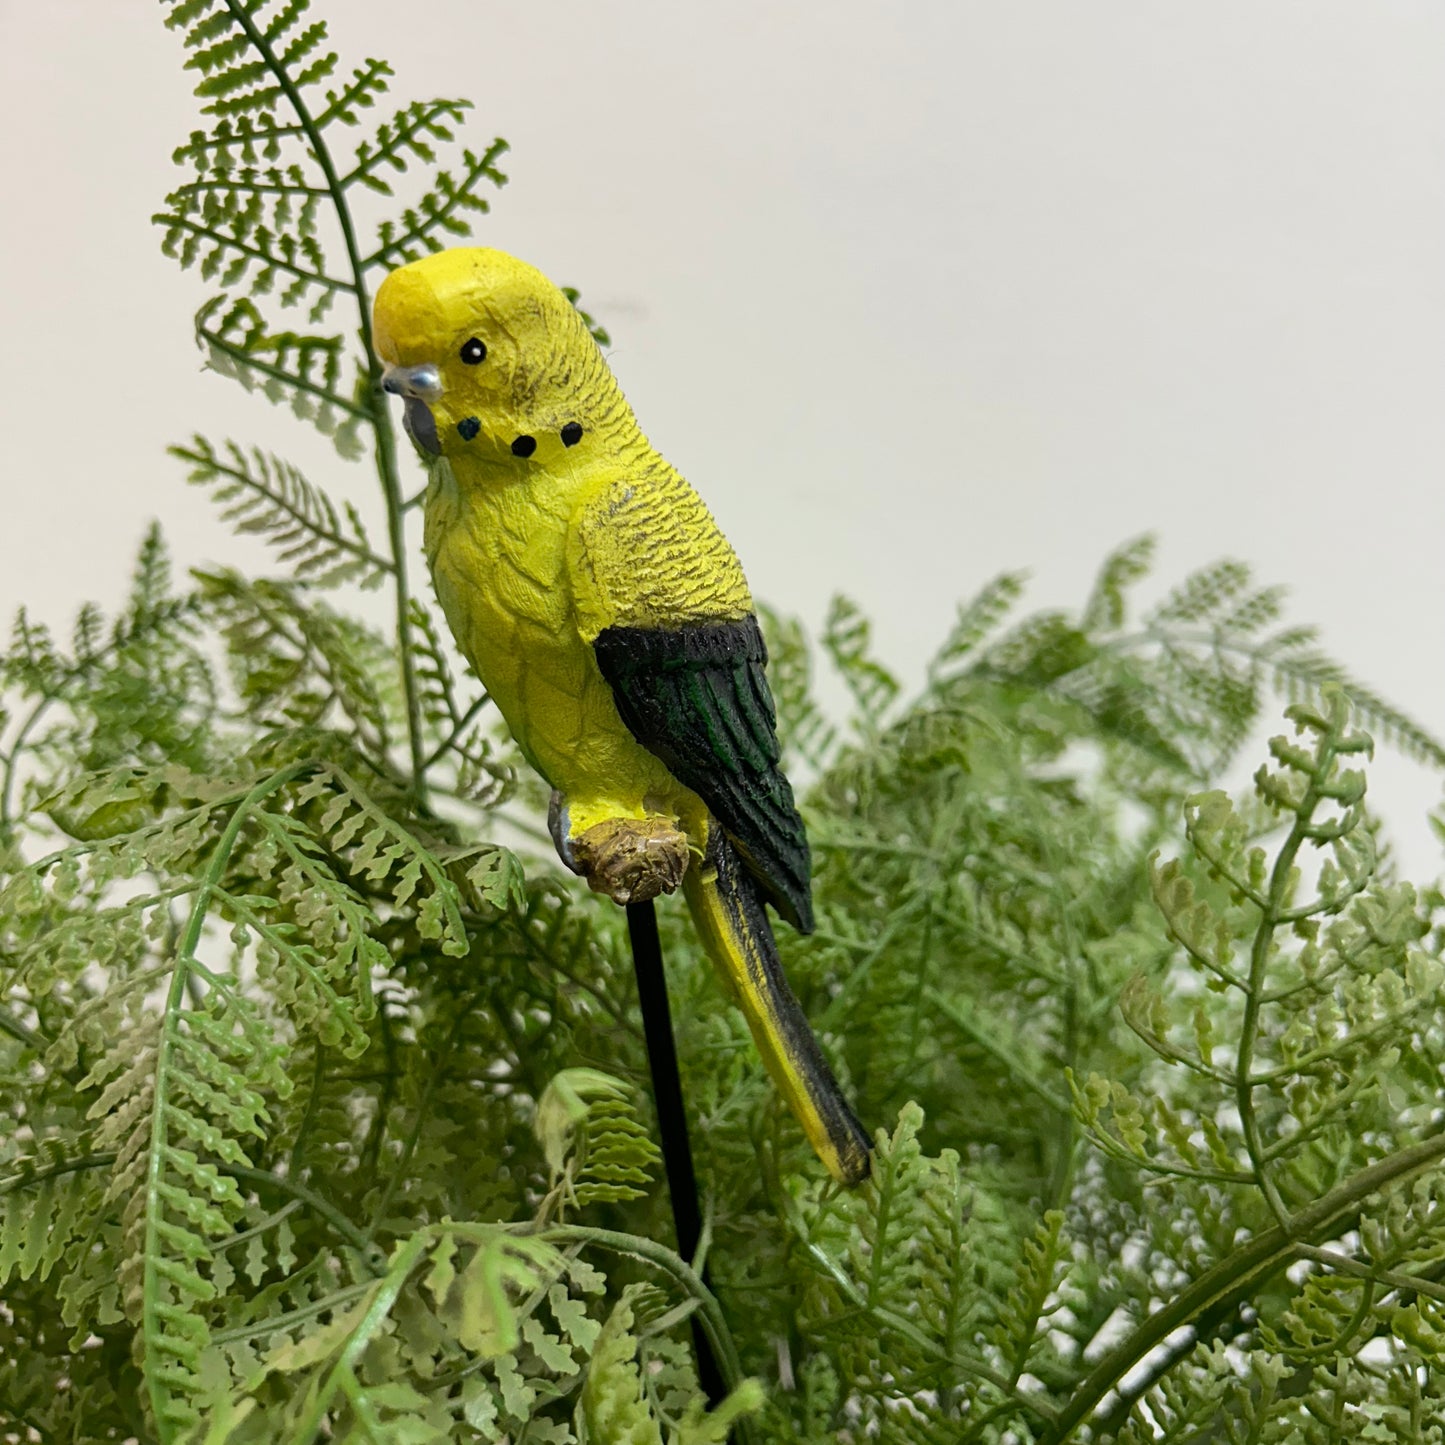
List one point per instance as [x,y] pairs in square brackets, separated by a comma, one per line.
[552,527]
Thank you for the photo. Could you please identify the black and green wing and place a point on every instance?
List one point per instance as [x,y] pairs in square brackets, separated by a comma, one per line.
[696,696]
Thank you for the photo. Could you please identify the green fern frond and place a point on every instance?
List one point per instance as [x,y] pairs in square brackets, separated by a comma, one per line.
[298,657]
[369,82]
[302,371]
[382,851]
[441,211]
[1106,608]
[1301,672]
[595,1145]
[846,639]
[409,135]
[976,621]
[1204,594]
[1034,1295]
[887,1258]
[440,703]
[46,1203]
[265,495]
[32,662]
[1038,652]
[461,731]
[613,1405]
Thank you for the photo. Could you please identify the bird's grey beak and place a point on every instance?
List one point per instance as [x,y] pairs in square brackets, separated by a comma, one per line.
[422,382]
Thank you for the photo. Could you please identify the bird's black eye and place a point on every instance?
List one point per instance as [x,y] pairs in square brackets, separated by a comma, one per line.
[474,352]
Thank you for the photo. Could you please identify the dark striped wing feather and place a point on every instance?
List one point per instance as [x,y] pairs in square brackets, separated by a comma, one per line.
[697,697]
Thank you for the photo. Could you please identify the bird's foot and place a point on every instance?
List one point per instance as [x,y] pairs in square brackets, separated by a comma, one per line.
[631,859]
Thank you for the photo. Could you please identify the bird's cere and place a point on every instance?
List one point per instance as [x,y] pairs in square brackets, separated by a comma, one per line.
[417,385]
[423,382]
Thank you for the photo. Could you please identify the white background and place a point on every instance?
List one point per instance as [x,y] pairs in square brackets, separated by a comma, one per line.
[912,293]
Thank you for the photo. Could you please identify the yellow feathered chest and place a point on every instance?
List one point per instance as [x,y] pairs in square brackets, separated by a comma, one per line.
[532,563]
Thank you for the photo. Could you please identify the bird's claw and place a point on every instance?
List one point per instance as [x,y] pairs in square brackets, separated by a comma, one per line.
[631,859]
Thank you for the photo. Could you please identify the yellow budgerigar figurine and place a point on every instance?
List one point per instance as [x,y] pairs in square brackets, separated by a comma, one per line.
[610,621]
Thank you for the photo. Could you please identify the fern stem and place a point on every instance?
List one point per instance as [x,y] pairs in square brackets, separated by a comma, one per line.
[12,760]
[266,258]
[993,1043]
[252,362]
[55,1171]
[1276,900]
[459,726]
[302,1194]
[277,1324]
[1252,1264]
[11,1025]
[1343,1264]
[152,1304]
[384,452]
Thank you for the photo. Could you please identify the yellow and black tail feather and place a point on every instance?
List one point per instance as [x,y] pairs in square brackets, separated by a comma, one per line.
[696,695]
[727,908]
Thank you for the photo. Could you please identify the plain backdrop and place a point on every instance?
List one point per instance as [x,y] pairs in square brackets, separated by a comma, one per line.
[912,293]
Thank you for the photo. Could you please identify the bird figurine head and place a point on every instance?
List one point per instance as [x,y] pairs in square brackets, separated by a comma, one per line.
[490,358]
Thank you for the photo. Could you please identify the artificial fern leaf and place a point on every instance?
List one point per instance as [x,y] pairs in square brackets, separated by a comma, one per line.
[303,371]
[1106,609]
[1034,1295]
[595,1145]
[846,640]
[43,1204]
[386,854]
[976,620]
[299,659]
[263,494]
[411,134]
[613,1409]
[440,216]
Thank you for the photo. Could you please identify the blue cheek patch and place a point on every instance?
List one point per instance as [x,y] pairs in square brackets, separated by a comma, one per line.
[469,426]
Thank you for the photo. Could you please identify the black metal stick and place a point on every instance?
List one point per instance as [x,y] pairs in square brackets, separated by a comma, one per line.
[671,1118]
